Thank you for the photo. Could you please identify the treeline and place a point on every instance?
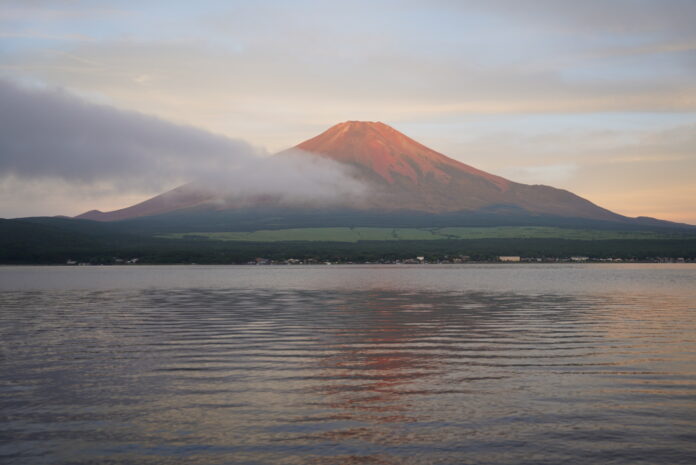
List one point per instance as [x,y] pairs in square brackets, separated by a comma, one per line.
[373,251]
[57,241]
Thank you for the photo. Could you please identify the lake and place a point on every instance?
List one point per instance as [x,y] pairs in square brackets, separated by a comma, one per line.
[471,364]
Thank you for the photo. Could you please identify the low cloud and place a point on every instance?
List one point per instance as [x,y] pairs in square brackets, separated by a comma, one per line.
[51,135]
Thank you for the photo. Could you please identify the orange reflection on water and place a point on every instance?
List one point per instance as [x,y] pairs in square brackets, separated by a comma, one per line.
[371,372]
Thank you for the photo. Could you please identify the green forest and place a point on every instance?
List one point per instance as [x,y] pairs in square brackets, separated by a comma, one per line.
[57,240]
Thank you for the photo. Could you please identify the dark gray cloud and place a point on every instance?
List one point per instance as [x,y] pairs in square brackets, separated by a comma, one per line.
[50,135]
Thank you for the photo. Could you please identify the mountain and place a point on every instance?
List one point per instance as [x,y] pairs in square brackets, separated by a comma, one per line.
[402,175]
[408,175]
[182,197]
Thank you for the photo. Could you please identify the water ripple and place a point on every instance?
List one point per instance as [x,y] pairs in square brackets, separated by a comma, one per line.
[337,376]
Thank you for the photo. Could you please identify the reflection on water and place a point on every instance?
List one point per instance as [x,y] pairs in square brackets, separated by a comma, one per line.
[375,374]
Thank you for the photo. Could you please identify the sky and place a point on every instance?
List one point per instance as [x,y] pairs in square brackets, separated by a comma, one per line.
[597,97]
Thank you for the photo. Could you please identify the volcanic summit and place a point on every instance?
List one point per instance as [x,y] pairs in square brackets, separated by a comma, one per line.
[387,152]
[402,175]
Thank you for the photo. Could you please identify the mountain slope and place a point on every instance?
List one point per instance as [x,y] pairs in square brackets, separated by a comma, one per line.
[182,197]
[388,153]
[402,175]
[409,175]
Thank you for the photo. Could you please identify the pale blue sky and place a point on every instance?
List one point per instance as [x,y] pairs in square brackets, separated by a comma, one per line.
[598,97]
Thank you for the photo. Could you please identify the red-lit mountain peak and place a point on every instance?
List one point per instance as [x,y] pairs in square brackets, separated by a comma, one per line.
[400,174]
[387,152]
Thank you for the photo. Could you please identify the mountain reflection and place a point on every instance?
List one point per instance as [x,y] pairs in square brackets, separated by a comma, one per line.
[338,376]
[374,364]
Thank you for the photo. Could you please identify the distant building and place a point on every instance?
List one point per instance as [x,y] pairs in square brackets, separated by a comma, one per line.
[579,259]
[509,258]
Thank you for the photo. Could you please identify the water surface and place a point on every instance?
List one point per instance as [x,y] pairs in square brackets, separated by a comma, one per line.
[504,364]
